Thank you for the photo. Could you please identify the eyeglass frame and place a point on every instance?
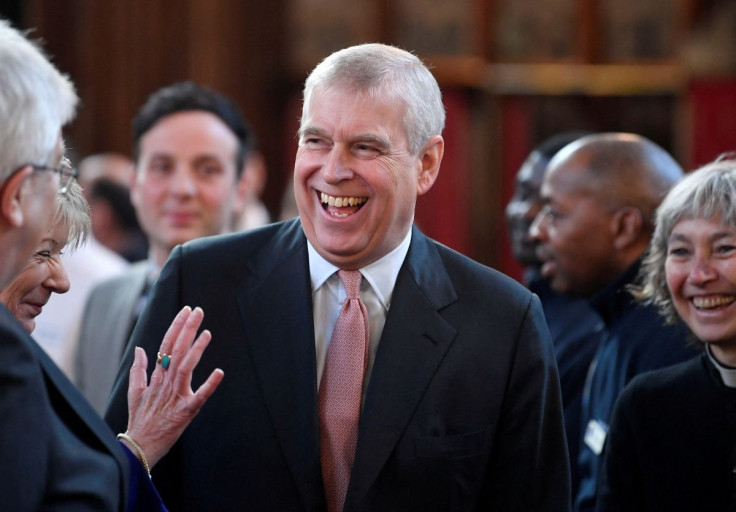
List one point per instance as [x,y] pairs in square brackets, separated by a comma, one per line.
[66,173]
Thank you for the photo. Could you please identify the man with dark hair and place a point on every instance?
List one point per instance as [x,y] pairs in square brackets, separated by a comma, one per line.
[575,328]
[190,145]
[188,96]
[55,452]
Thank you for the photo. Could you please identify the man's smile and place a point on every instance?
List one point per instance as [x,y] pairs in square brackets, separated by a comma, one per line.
[341,206]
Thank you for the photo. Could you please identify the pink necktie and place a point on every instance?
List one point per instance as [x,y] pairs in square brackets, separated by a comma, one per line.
[341,390]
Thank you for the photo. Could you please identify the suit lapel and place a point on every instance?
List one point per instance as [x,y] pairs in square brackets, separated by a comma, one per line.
[129,294]
[276,305]
[66,401]
[414,341]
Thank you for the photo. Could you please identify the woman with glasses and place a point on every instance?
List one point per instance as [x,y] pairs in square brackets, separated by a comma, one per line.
[672,441]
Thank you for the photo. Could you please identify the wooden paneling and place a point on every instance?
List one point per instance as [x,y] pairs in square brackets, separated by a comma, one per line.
[513,71]
[120,52]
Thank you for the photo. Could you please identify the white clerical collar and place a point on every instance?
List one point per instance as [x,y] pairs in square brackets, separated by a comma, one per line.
[728,374]
[380,274]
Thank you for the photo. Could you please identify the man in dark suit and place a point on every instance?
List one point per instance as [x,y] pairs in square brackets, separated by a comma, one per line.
[54,448]
[457,391]
[56,453]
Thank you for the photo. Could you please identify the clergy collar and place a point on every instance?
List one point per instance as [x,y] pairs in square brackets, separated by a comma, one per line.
[727,373]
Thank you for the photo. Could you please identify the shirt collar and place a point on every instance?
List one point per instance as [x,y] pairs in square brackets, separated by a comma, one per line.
[153,271]
[380,274]
[728,374]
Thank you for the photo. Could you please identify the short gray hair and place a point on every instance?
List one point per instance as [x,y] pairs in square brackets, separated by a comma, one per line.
[36,100]
[73,211]
[379,70]
[703,194]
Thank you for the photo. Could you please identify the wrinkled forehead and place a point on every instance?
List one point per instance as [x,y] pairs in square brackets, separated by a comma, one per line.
[330,103]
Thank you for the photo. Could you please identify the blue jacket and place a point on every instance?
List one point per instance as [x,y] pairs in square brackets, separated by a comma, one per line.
[636,340]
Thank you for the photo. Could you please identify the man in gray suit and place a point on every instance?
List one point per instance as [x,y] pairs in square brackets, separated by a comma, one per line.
[190,146]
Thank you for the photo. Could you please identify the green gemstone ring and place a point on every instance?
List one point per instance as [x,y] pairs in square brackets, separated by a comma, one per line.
[164,360]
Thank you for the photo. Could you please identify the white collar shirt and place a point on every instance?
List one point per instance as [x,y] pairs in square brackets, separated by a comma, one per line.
[328,296]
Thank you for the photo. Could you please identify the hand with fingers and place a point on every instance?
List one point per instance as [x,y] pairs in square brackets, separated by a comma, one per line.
[159,411]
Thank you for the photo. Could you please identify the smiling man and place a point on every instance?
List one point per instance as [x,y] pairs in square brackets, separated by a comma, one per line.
[372,368]
[600,194]
[190,146]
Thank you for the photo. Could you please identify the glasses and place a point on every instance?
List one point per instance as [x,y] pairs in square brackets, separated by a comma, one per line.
[66,174]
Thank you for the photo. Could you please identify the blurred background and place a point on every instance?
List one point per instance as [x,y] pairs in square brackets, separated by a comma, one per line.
[513,72]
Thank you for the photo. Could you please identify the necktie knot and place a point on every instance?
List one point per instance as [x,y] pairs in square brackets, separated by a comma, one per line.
[351,280]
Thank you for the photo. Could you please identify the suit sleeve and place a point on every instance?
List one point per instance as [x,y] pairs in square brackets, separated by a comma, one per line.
[163,305]
[529,469]
[25,436]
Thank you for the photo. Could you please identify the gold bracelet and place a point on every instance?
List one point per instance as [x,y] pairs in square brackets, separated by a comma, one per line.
[138,449]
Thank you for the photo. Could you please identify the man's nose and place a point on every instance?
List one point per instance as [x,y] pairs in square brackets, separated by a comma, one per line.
[182,182]
[538,228]
[338,166]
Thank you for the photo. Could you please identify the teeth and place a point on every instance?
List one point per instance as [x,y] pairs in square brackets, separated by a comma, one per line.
[712,302]
[339,202]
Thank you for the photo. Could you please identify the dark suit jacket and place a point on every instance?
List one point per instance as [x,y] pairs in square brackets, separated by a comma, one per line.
[462,411]
[56,453]
[672,443]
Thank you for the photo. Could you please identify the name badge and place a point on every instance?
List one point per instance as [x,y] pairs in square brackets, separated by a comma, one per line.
[595,435]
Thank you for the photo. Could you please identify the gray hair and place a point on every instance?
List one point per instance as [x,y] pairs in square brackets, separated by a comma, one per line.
[36,100]
[705,193]
[379,70]
[73,211]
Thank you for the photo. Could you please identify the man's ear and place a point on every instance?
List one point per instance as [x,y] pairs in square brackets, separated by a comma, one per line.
[430,160]
[627,224]
[11,197]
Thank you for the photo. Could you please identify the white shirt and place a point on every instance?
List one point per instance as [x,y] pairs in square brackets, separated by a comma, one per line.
[328,296]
